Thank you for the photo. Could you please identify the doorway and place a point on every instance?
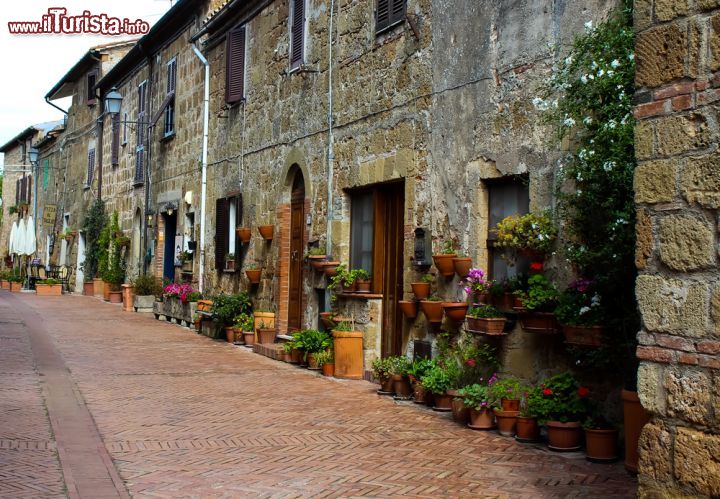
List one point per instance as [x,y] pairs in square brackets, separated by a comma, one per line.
[170,222]
[297,231]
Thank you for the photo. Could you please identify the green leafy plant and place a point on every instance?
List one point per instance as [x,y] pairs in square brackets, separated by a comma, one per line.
[441,377]
[194,296]
[541,295]
[312,341]
[382,368]
[226,307]
[93,225]
[418,368]
[316,251]
[361,275]
[434,298]
[480,395]
[399,365]
[147,284]
[532,231]
[448,247]
[427,279]
[484,312]
[580,305]
[50,282]
[185,256]
[13,210]
[559,398]
[340,274]
[244,322]
[324,357]
[114,262]
[230,256]
[343,326]
[508,388]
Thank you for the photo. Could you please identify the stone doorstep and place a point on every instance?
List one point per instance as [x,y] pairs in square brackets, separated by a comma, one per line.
[271,350]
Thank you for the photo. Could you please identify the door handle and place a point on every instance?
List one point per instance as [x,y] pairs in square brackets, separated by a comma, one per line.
[294,255]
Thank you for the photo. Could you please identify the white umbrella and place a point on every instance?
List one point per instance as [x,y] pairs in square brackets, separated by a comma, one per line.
[13,238]
[30,243]
[20,237]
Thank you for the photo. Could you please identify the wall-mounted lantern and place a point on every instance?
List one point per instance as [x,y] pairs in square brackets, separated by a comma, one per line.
[423,249]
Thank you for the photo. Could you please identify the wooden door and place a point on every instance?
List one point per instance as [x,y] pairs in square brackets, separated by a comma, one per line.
[297,218]
[389,230]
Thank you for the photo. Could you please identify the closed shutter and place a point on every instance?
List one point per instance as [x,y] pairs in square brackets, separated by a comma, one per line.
[398,11]
[17,192]
[115,144]
[90,166]
[139,166]
[91,79]
[46,173]
[235,65]
[221,232]
[171,75]
[297,33]
[389,12]
[28,185]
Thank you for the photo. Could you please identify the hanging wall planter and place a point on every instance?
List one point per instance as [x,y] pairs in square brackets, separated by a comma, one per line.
[586,336]
[421,289]
[444,264]
[408,308]
[330,268]
[253,275]
[455,310]
[537,322]
[244,234]
[266,231]
[462,266]
[317,262]
[433,310]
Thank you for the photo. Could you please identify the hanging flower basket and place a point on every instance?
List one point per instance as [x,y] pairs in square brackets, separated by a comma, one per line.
[266,231]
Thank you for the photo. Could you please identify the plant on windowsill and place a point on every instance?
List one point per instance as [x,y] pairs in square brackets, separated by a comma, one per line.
[253,273]
[230,261]
[433,309]
[444,260]
[486,319]
[533,234]
[362,280]
[538,305]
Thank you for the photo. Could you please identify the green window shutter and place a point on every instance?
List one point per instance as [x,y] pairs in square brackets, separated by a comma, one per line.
[46,173]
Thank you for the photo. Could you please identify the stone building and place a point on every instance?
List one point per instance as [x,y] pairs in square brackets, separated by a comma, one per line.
[78,163]
[677,191]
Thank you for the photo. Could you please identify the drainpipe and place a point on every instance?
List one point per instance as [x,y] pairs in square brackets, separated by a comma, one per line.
[203,186]
[56,107]
[331,152]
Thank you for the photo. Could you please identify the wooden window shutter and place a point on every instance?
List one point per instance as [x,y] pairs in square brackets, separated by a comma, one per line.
[91,80]
[139,173]
[171,75]
[297,32]
[235,65]
[28,185]
[90,166]
[389,13]
[115,144]
[17,192]
[221,232]
[398,11]
[46,173]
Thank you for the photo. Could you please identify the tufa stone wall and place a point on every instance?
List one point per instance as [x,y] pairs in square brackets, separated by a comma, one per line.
[677,191]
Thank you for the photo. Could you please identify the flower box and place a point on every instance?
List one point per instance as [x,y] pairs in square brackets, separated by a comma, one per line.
[537,322]
[588,336]
[48,289]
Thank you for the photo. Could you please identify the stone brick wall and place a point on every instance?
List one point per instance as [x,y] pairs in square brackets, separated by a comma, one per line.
[677,191]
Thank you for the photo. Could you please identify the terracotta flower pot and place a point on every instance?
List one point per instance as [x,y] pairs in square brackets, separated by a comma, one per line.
[386,386]
[115,297]
[363,286]
[48,289]
[295,356]
[510,404]
[326,318]
[249,337]
[462,266]
[564,437]
[253,275]
[266,231]
[433,310]
[330,268]
[421,289]
[266,335]
[601,445]
[635,417]
[490,325]
[443,402]
[317,262]
[229,264]
[506,422]
[350,288]
[328,369]
[589,336]
[419,393]
[408,308]
[348,348]
[244,234]
[460,412]
[455,310]
[230,334]
[99,287]
[6,285]
[128,296]
[444,264]
[482,419]
[88,288]
[312,362]
[527,429]
[106,291]
[538,322]
[505,301]
[401,386]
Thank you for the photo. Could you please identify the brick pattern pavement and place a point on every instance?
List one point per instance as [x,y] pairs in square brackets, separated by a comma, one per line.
[183,415]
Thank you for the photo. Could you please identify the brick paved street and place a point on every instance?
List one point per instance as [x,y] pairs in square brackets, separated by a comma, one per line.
[185,416]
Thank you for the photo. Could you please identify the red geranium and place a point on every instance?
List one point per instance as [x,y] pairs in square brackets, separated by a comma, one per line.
[470,362]
[547,391]
[583,391]
[536,266]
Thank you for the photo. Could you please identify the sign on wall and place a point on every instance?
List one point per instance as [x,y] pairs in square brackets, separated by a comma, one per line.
[49,215]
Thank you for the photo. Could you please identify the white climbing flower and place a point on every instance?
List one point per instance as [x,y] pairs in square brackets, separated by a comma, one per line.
[584,78]
[608,166]
[615,63]
[611,124]
[584,310]
[601,73]
[631,57]
[569,122]
[588,26]
[568,60]
[587,120]
[540,104]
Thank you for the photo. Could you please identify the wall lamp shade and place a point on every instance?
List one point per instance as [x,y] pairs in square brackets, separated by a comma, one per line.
[113,101]
[33,154]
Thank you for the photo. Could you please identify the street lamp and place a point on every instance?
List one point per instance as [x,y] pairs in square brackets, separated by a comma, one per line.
[33,155]
[113,101]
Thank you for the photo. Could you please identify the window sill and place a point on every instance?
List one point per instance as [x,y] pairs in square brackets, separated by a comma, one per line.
[361,296]
[302,68]
[138,183]
[391,27]
[124,144]
[168,137]
[229,271]
[86,187]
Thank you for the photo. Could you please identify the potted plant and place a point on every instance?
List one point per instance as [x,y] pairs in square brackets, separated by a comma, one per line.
[408,308]
[462,265]
[16,282]
[382,371]
[348,348]
[399,366]
[186,259]
[243,326]
[327,320]
[314,342]
[253,273]
[340,273]
[362,280]
[438,379]
[526,425]
[533,234]
[325,360]
[538,305]
[455,310]
[265,333]
[415,372]
[330,268]
[433,309]
[476,285]
[560,404]
[266,316]
[67,234]
[422,288]
[486,319]
[292,352]
[508,392]
[244,234]
[226,307]
[481,401]
[580,314]
[349,280]
[146,287]
[230,261]
[316,257]
[601,438]
[444,260]
[266,231]
[48,287]
[502,295]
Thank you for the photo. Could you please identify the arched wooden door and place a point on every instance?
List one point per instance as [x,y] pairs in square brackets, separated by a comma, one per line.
[297,230]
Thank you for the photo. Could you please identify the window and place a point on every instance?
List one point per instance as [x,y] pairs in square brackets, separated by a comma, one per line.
[506,196]
[115,144]
[297,33]
[228,213]
[235,65]
[91,80]
[140,136]
[124,132]
[169,128]
[389,13]
[361,231]
[46,173]
[90,167]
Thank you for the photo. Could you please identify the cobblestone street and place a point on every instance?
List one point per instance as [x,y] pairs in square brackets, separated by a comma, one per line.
[96,402]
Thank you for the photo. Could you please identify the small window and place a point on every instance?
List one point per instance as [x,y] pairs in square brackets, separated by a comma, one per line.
[140,134]
[169,127]
[362,216]
[389,13]
[91,80]
[297,33]
[235,65]
[22,152]
[506,196]
[228,213]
